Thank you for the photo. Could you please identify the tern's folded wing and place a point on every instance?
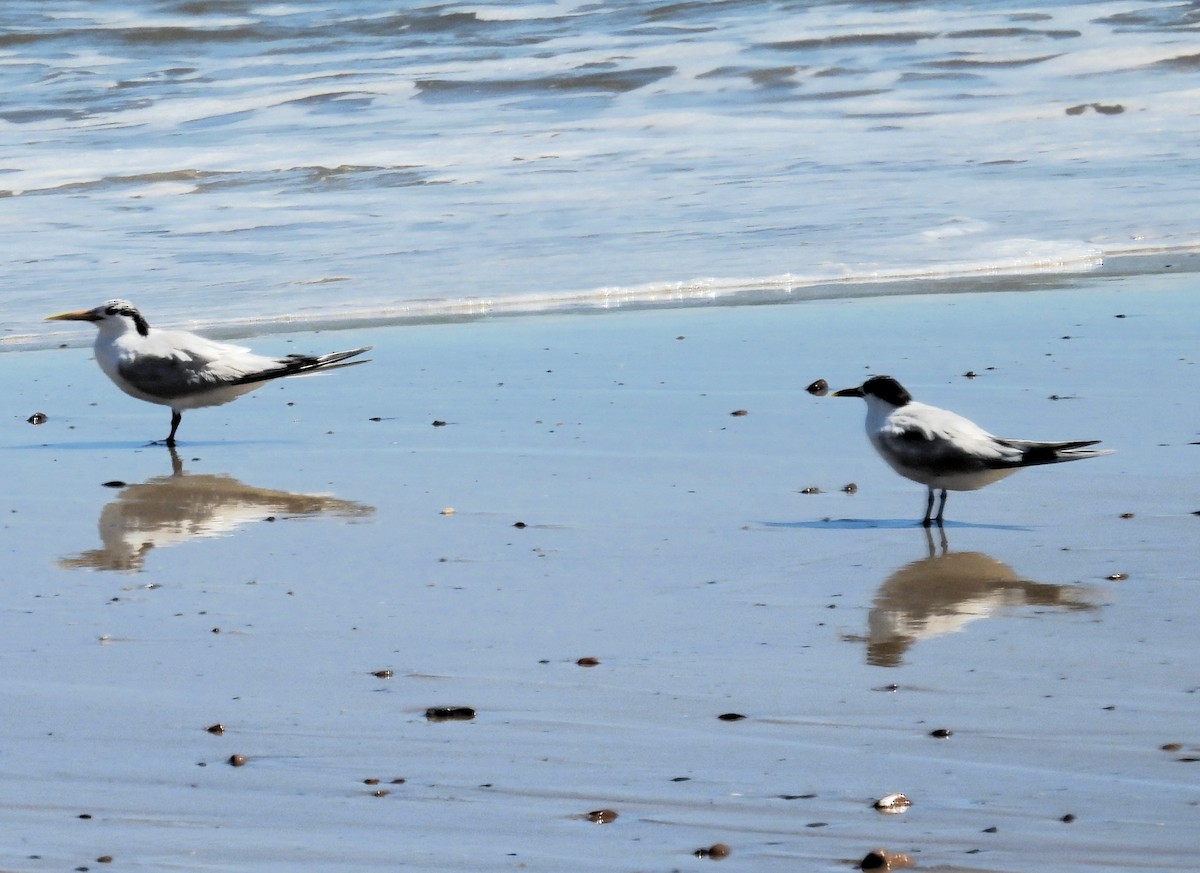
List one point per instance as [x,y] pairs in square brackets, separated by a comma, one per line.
[932,437]
[167,378]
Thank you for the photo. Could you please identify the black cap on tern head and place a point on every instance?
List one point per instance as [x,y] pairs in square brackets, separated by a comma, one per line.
[885,388]
[110,310]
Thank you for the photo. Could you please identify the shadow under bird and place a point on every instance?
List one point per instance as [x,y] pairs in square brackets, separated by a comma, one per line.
[182,370]
[944,451]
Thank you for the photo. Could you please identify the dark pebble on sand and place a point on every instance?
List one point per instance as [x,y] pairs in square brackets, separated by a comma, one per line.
[37,418]
[449,713]
[216,729]
[731,716]
[602,816]
[819,388]
[942,733]
[1100,108]
[716,851]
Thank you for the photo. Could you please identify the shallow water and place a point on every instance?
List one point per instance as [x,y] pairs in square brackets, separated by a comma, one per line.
[232,163]
[662,536]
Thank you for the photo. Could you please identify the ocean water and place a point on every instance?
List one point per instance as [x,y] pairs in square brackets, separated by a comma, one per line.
[238,165]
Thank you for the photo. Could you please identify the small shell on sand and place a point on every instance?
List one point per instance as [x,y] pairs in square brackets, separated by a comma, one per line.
[881,859]
[893,803]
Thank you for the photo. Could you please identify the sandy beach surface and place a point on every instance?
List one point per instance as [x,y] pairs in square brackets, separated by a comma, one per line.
[295,575]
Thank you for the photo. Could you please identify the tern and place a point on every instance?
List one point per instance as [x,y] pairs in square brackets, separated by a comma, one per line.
[182,370]
[944,451]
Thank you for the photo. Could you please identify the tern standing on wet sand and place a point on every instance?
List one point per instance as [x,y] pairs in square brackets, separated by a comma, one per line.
[182,370]
[944,451]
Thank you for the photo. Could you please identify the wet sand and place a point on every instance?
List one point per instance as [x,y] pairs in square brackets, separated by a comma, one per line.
[607,504]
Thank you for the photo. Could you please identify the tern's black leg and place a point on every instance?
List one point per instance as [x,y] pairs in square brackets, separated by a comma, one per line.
[177,416]
[925,522]
[941,506]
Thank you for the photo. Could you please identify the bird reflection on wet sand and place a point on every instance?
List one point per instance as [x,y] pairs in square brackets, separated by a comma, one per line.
[165,510]
[940,594]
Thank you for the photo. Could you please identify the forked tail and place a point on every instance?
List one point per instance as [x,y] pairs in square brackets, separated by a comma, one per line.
[1034,453]
[294,365]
